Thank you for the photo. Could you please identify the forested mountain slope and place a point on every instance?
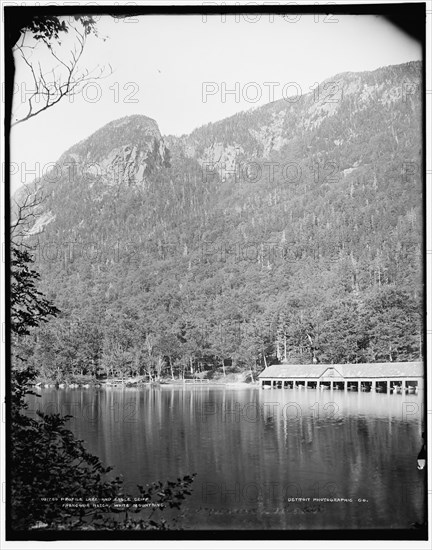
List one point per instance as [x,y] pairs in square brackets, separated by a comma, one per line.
[291,231]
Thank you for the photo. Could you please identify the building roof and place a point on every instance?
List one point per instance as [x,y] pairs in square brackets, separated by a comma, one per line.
[358,370]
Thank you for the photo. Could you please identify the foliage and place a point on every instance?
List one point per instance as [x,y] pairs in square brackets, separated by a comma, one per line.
[29,307]
[50,468]
[49,27]
[180,272]
[58,484]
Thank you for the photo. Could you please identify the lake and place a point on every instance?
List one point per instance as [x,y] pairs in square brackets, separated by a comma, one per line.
[257,453]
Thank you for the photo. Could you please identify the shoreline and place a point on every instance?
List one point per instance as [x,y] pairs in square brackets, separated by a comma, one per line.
[143,385]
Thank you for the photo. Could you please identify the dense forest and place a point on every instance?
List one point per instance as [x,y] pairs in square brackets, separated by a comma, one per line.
[290,232]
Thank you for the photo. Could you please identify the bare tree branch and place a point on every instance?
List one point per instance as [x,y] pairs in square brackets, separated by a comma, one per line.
[64,80]
[26,211]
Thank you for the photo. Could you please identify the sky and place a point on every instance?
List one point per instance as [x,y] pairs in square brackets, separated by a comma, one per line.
[179,70]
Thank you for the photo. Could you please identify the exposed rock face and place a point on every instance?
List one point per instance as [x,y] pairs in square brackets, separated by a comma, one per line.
[121,155]
[345,126]
[124,151]
[335,114]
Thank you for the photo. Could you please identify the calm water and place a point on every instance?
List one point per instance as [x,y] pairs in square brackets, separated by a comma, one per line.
[254,450]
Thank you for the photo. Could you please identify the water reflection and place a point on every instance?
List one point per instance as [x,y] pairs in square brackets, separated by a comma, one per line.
[263,458]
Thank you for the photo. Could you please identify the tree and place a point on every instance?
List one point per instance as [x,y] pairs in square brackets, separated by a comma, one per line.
[393,325]
[47,460]
[341,332]
[39,39]
[29,308]
[24,211]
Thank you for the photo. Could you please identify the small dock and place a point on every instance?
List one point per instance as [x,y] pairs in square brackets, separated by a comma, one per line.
[194,382]
[115,382]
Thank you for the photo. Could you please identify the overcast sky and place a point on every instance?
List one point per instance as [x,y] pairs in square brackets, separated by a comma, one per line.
[162,63]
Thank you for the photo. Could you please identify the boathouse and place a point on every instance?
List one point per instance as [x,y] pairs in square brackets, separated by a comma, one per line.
[380,377]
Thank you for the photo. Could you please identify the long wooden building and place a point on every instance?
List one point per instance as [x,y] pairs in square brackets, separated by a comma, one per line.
[380,377]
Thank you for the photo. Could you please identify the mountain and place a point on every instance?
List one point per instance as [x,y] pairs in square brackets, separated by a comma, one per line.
[290,231]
